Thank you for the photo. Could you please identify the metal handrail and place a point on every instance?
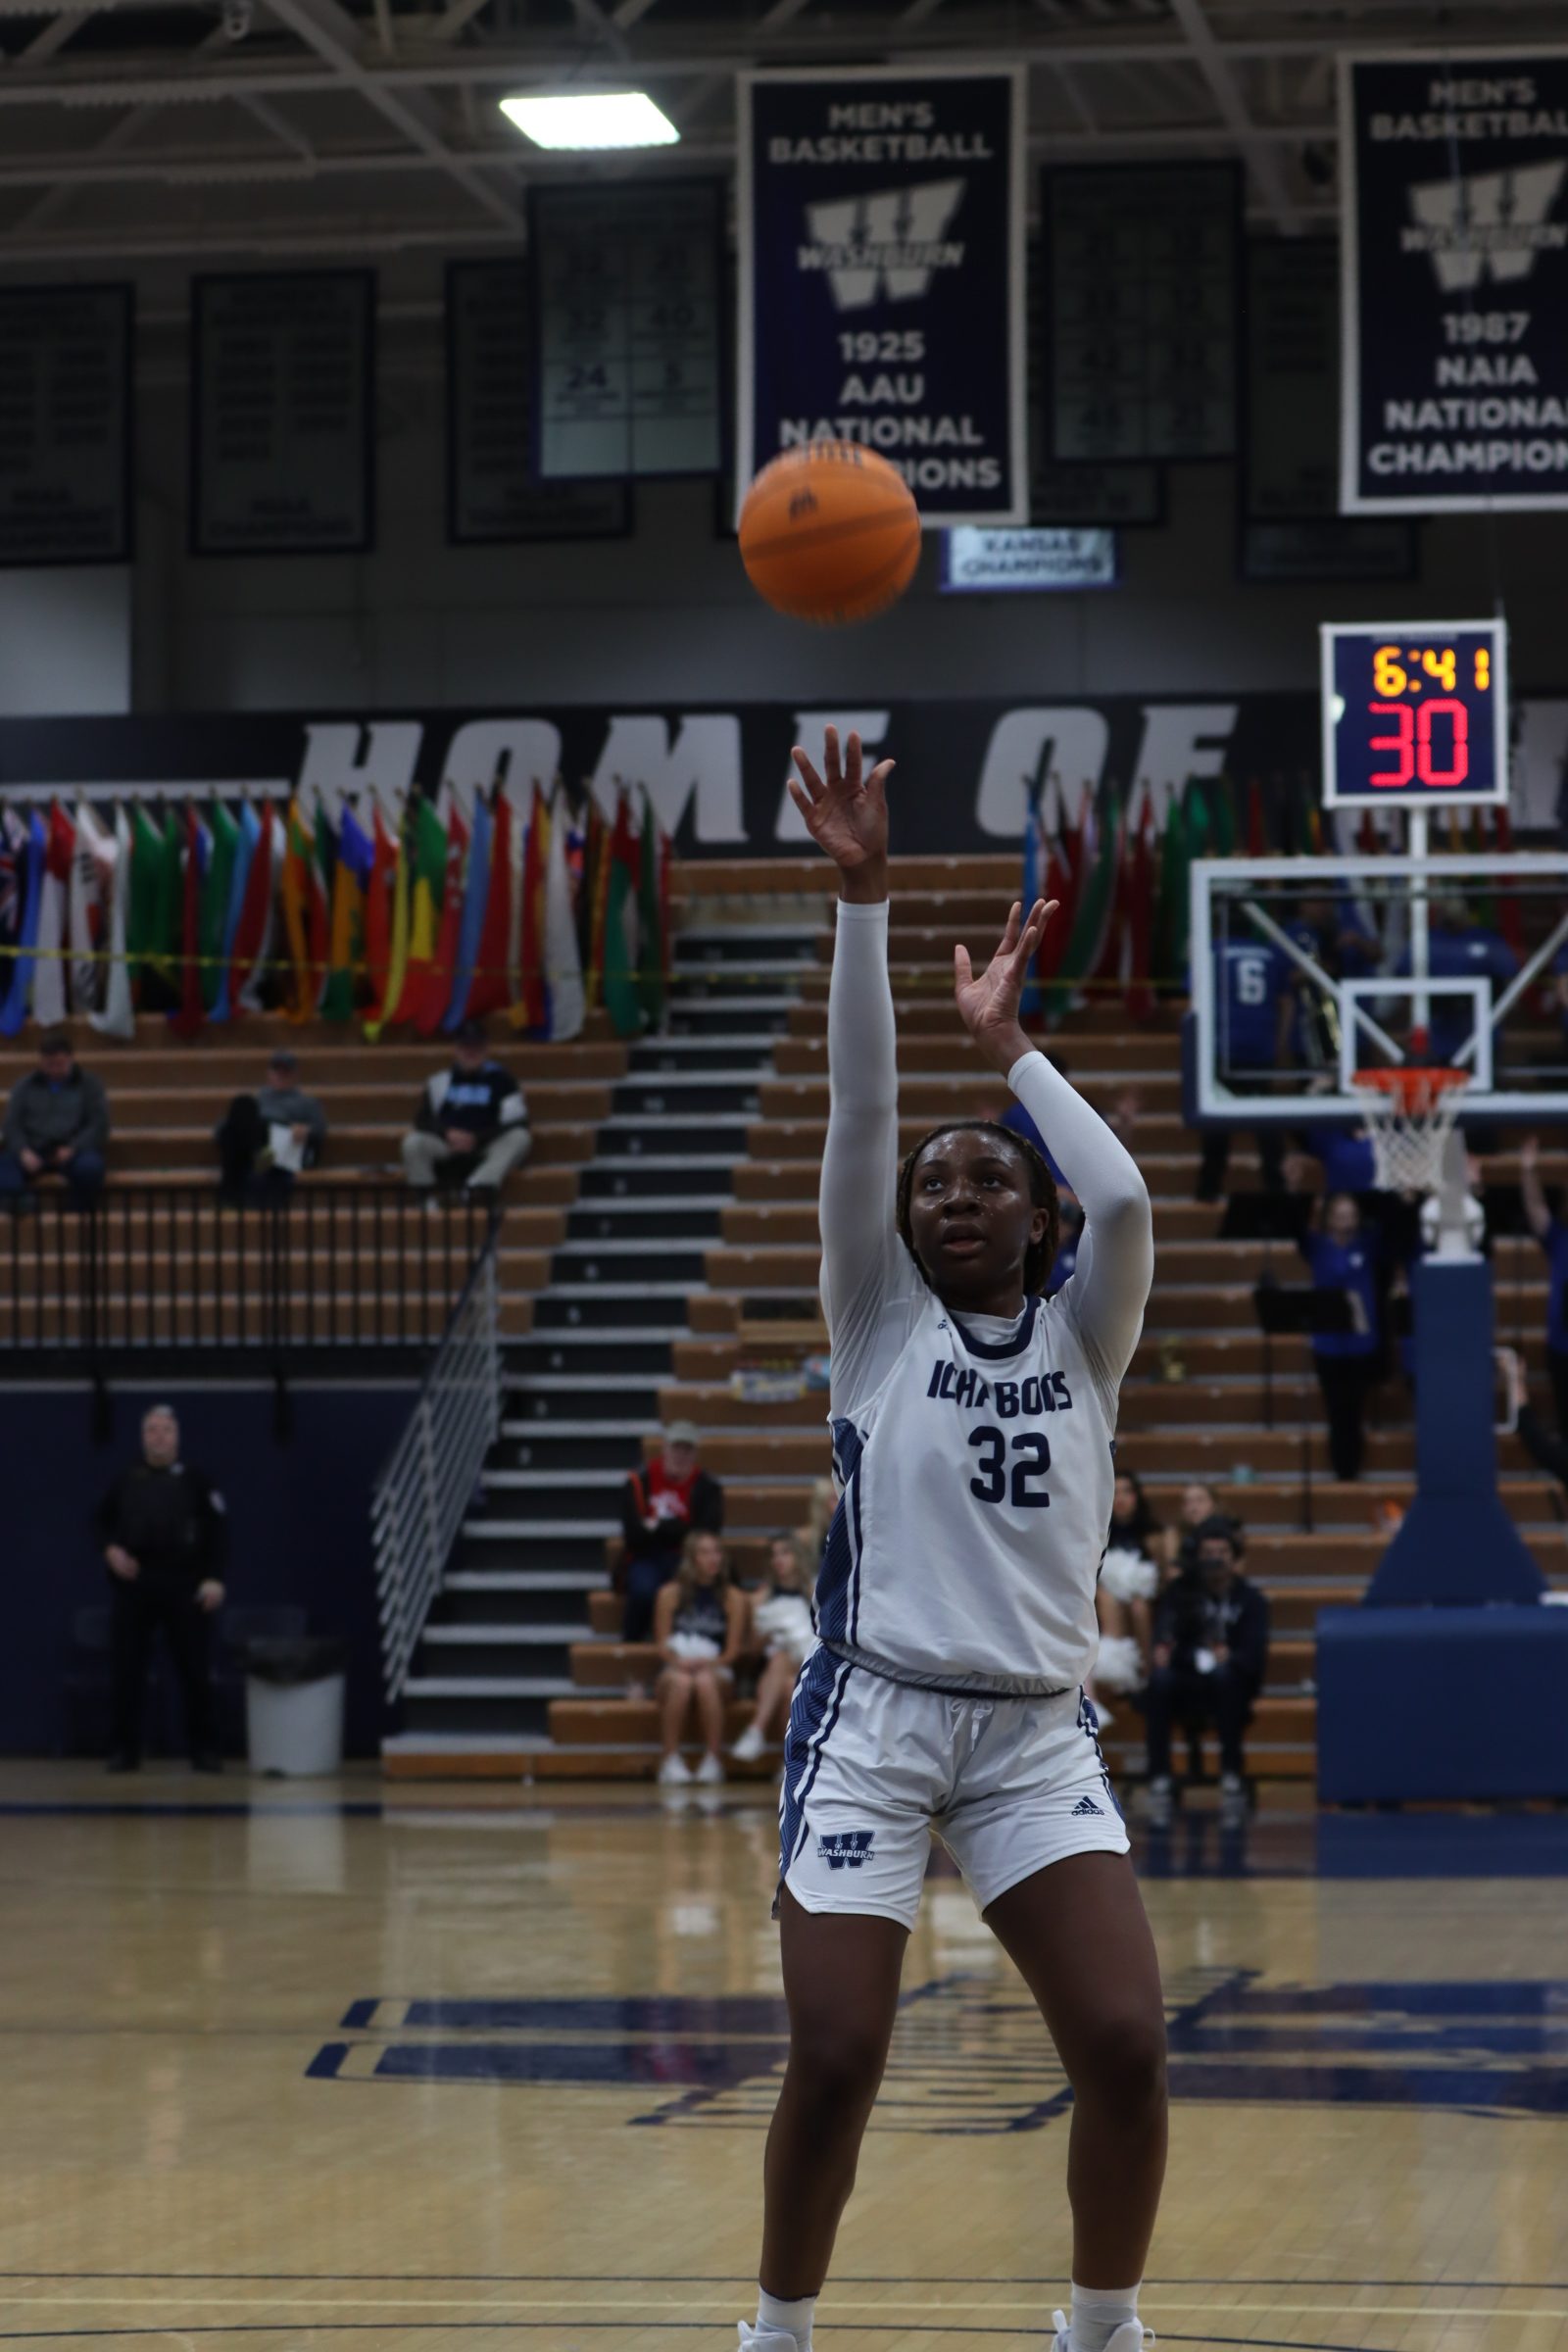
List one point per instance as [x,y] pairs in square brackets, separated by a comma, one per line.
[175,1268]
[428,1484]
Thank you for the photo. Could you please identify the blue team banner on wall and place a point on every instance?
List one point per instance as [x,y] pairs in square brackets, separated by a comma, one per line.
[1454,282]
[881,221]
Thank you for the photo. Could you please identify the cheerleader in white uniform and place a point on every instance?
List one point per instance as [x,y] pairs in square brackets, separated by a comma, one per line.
[972,1425]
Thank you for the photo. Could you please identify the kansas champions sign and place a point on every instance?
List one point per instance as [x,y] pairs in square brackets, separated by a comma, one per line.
[1454,282]
[881,220]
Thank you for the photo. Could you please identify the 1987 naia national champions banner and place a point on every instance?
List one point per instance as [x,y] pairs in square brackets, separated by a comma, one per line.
[1454,261]
[881,223]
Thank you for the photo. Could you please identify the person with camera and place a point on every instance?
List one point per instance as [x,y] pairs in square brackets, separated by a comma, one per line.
[1210,1648]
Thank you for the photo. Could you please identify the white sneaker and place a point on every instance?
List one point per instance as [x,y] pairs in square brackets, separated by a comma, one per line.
[1129,2338]
[674,1773]
[748,1746]
[1158,1803]
[1231,1799]
[709,1772]
[768,2339]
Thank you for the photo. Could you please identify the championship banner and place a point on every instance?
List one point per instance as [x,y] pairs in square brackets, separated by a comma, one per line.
[881,230]
[1454,282]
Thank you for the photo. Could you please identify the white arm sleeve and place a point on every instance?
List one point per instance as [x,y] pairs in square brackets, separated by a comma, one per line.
[1109,1289]
[870,1287]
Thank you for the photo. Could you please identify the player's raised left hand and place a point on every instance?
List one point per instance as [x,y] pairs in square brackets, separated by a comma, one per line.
[987,1001]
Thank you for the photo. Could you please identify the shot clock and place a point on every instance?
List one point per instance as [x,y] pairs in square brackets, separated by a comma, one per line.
[1415,715]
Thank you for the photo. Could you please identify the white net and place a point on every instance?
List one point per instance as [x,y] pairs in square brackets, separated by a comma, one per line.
[1410,1127]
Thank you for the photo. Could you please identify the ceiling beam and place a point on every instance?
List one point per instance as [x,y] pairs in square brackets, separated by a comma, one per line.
[1267,170]
[328,29]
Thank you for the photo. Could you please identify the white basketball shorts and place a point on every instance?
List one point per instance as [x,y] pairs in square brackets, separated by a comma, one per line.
[871,1767]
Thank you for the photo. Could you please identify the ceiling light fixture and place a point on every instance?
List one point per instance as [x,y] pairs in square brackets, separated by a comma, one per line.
[592,118]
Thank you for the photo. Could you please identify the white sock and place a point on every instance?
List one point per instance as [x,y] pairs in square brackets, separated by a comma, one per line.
[787,2319]
[1098,2312]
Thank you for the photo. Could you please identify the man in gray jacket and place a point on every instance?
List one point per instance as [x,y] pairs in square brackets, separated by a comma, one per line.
[265,1138]
[56,1124]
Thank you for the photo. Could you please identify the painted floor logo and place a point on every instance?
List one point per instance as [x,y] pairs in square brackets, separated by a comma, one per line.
[969,2056]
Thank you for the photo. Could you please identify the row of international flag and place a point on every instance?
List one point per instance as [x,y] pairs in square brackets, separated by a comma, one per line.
[1123,885]
[418,919]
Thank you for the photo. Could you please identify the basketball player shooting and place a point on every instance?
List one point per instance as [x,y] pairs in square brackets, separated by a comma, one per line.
[972,1424]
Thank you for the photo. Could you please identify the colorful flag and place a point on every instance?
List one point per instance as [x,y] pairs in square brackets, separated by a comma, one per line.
[1256,821]
[92,884]
[321,874]
[153,928]
[650,922]
[471,924]
[49,979]
[1139,913]
[519,852]
[1221,795]
[425,855]
[533,1008]
[489,989]
[251,953]
[562,960]
[592,915]
[619,968]
[345,954]
[1171,905]
[222,998]
[18,996]
[217,875]
[386,918]
[118,1015]
[187,1021]
[436,990]
[298,857]
[13,890]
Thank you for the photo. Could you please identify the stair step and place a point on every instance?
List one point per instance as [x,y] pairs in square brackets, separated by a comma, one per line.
[489,1685]
[531,1432]
[525,1580]
[535,1530]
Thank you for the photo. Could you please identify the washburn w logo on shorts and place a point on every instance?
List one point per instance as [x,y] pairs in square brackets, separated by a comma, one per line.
[846,1848]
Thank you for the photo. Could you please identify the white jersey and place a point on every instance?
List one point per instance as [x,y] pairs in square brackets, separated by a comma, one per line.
[974,1454]
[977,1490]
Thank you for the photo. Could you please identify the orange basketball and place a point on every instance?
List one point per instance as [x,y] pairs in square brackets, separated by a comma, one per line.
[830,533]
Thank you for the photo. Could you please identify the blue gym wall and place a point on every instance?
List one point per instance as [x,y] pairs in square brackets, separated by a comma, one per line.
[299,1518]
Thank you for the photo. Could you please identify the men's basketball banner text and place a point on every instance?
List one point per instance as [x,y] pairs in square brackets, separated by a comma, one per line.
[1454,284]
[881,220]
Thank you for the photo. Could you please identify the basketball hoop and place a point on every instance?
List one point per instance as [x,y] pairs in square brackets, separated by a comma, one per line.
[1410,1115]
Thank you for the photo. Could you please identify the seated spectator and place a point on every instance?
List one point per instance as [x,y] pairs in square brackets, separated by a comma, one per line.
[472,1126]
[781,1626]
[662,1503]
[1552,1235]
[265,1138]
[1199,1504]
[1129,1581]
[56,1124]
[700,1626]
[1210,1649]
[1344,1257]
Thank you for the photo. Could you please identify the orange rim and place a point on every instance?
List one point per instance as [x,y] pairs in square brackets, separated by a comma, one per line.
[1417,1090]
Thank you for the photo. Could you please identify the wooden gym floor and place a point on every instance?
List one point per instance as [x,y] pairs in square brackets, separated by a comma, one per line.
[314,2065]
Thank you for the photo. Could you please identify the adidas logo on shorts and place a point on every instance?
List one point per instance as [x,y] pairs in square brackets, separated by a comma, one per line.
[1087,1804]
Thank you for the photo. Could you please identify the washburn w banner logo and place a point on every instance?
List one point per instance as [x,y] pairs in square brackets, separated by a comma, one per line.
[881,220]
[1454,256]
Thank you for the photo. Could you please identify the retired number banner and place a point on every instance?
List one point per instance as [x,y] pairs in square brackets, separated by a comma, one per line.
[1454,284]
[881,220]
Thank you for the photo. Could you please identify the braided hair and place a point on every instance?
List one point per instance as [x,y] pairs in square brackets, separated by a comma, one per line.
[1039,1256]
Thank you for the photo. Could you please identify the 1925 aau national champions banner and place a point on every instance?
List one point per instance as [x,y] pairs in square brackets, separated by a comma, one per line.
[1455,260]
[881,223]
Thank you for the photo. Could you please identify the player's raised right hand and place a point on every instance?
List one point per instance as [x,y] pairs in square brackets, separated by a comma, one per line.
[846,814]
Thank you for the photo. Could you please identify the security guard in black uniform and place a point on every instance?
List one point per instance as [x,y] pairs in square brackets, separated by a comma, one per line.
[165,1535]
